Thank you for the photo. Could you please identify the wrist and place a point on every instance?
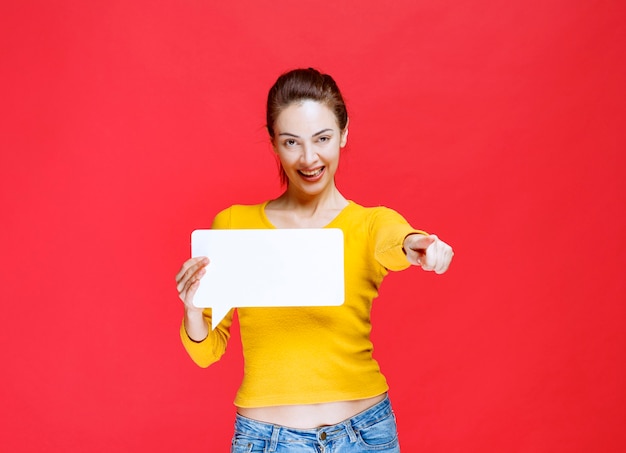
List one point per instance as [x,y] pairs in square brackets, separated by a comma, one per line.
[196,327]
[194,312]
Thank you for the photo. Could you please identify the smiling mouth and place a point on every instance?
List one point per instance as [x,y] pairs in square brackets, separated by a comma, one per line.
[311,173]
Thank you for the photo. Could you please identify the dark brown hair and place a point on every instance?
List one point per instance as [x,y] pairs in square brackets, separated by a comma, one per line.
[300,85]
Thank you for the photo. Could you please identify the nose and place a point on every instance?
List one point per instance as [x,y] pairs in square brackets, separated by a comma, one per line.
[309,155]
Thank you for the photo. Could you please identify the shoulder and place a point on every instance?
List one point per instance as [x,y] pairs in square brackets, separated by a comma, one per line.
[374,213]
[238,216]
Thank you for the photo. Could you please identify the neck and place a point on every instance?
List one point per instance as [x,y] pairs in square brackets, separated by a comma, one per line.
[296,201]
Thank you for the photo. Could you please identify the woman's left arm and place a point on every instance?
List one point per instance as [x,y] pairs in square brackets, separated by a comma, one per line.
[429,252]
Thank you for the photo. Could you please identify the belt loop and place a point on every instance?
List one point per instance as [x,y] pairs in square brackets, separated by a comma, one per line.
[274,439]
[351,433]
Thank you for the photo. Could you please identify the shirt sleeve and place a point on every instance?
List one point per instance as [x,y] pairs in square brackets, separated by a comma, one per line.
[388,230]
[211,349]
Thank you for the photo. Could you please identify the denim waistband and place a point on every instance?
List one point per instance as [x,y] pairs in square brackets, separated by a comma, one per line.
[323,434]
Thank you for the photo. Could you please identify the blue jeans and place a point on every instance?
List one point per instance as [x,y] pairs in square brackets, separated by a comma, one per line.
[373,430]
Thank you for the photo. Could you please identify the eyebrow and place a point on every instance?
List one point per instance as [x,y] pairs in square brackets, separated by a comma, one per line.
[323,131]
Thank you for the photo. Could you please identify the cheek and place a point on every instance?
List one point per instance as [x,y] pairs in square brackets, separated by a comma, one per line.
[286,159]
[333,159]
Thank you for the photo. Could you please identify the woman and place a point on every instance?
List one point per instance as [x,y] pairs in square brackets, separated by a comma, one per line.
[310,382]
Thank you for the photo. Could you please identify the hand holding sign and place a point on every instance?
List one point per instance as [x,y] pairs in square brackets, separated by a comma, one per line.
[263,268]
[188,279]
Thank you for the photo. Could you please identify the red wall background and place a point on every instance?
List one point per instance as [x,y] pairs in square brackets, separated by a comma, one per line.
[497,125]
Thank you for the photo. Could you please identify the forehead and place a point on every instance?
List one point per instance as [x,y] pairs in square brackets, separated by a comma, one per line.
[305,116]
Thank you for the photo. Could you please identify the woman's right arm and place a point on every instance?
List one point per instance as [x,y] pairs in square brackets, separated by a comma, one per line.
[204,346]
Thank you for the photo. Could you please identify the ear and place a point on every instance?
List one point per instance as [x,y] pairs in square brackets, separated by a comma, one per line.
[344,135]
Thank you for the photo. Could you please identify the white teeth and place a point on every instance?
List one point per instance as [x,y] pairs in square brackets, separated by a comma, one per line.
[312,173]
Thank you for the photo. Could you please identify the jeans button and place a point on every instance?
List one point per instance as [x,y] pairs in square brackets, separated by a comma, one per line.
[323,436]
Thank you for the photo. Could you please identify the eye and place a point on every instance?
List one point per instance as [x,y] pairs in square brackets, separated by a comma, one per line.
[290,142]
[324,139]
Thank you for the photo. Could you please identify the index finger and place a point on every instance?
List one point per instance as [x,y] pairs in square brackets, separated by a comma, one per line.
[191,263]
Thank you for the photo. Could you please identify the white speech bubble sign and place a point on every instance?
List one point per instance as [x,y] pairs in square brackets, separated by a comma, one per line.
[269,268]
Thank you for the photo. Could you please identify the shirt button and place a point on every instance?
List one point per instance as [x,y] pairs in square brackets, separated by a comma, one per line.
[323,436]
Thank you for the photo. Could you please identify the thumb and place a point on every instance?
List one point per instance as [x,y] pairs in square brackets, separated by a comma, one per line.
[419,242]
